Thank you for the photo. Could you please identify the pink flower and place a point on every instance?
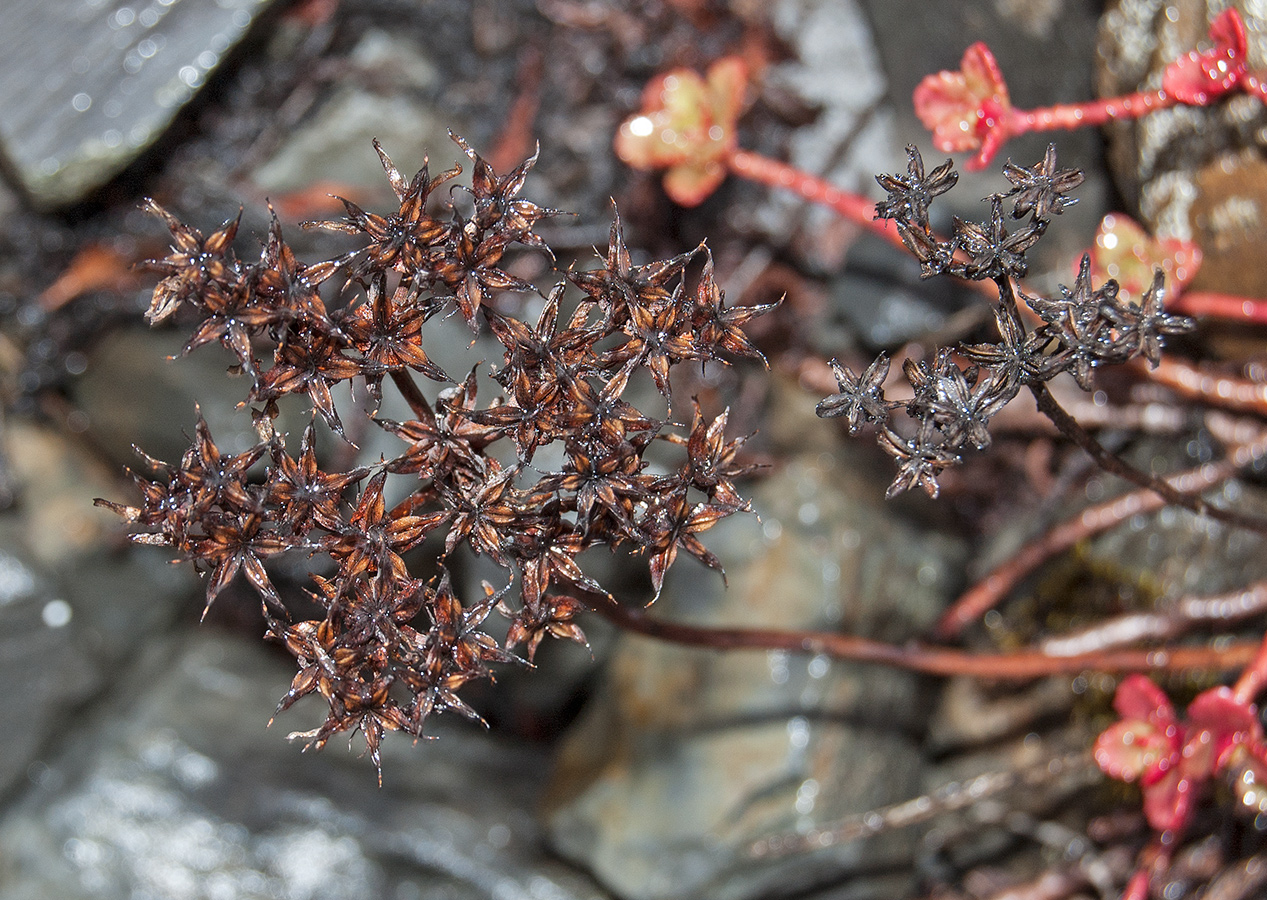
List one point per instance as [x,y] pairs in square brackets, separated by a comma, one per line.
[687,126]
[1127,253]
[1200,77]
[968,109]
[1169,759]
[1144,745]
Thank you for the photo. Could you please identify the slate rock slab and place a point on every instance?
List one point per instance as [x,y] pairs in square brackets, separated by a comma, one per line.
[86,85]
[177,789]
[70,609]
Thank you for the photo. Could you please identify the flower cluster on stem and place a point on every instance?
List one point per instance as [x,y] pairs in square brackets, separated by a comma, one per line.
[392,647]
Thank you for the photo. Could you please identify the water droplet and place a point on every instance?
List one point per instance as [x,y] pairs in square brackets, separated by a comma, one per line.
[798,732]
[642,126]
[56,613]
[807,513]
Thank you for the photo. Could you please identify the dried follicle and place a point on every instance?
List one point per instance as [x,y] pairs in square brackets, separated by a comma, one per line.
[392,648]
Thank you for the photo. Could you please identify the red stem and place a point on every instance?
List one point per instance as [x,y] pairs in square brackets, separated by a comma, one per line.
[1021,666]
[1070,116]
[1222,306]
[1196,382]
[1250,684]
[986,593]
[776,174]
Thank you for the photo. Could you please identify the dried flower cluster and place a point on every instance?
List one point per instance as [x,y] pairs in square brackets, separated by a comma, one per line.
[393,648]
[1085,327]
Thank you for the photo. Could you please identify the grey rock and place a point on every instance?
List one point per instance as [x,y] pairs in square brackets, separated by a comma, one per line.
[135,393]
[685,757]
[86,85]
[334,144]
[1156,158]
[178,790]
[1193,173]
[41,658]
[70,610]
[1176,553]
[835,70]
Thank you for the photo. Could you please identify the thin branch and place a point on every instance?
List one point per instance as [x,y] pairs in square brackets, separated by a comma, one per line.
[1115,465]
[950,797]
[1023,665]
[413,396]
[990,590]
[1198,383]
[1184,615]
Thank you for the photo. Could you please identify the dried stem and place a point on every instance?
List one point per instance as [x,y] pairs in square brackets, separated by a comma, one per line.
[1224,391]
[412,395]
[1115,465]
[1020,666]
[950,797]
[1183,615]
[1221,306]
[990,590]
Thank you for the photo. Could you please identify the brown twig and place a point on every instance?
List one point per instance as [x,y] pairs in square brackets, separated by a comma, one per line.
[916,657]
[408,388]
[1183,615]
[990,590]
[1115,465]
[1197,383]
[949,797]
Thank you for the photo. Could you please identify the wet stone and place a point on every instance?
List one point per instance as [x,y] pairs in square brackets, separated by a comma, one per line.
[35,637]
[335,144]
[178,789]
[86,85]
[685,757]
[134,393]
[70,610]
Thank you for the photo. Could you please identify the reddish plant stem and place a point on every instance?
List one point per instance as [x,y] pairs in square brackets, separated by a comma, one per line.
[776,174]
[990,590]
[515,142]
[1164,624]
[1251,682]
[1020,666]
[1194,382]
[1153,860]
[1071,116]
[1221,306]
[854,207]
[1115,465]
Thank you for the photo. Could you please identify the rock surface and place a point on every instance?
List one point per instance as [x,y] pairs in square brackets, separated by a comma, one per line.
[86,85]
[1193,173]
[71,611]
[178,790]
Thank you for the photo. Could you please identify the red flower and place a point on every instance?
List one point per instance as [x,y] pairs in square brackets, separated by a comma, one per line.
[1125,252]
[1200,77]
[968,109]
[687,125]
[1171,760]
